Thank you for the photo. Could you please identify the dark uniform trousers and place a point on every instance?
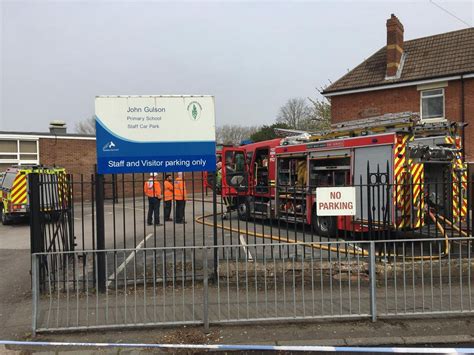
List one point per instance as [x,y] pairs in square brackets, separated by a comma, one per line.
[167,209]
[153,209]
[180,204]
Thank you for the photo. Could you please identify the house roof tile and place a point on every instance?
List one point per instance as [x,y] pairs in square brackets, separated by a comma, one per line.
[428,57]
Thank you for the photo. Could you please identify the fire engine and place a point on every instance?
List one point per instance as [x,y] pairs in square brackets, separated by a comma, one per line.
[405,157]
[14,190]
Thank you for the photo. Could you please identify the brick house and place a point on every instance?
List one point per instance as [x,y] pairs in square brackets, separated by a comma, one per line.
[431,75]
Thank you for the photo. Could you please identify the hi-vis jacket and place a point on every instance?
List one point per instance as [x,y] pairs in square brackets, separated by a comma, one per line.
[152,188]
[179,189]
[168,187]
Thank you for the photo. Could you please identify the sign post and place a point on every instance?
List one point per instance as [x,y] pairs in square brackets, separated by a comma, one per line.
[140,134]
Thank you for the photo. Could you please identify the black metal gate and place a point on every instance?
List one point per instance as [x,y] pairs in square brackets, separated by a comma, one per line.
[51,215]
[110,213]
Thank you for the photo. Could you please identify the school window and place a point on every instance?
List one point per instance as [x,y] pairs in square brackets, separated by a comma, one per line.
[432,104]
[18,152]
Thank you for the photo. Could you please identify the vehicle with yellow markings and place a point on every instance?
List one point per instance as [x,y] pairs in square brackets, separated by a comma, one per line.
[14,189]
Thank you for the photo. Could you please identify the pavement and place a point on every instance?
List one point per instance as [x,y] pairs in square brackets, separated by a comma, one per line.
[449,332]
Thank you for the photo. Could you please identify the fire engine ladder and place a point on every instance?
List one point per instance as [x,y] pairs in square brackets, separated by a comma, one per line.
[399,122]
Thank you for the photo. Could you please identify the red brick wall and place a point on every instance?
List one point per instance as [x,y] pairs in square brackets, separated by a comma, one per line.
[374,103]
[77,156]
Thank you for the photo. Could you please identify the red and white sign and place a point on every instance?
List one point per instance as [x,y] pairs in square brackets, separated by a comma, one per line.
[335,201]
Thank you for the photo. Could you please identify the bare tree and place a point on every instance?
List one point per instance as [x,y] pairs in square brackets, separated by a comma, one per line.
[86,126]
[320,114]
[234,134]
[295,113]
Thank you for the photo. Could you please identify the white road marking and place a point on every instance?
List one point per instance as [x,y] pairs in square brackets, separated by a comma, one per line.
[244,246]
[129,258]
[136,208]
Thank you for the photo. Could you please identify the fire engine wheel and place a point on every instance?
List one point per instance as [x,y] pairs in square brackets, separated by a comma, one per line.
[5,219]
[324,226]
[244,210]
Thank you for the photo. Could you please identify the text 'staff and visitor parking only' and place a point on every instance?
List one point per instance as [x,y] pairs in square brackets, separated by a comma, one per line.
[139,134]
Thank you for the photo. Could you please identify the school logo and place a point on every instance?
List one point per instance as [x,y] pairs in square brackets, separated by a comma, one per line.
[194,110]
[110,147]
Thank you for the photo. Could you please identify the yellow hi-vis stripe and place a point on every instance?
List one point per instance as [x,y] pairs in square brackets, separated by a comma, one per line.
[459,212]
[18,194]
[400,195]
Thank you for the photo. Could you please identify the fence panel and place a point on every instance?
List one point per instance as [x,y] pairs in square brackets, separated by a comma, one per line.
[144,287]
[427,277]
[171,286]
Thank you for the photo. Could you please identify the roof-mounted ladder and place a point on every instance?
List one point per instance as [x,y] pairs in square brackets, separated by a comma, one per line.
[392,122]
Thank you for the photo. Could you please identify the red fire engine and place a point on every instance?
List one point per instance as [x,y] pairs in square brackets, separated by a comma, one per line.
[279,178]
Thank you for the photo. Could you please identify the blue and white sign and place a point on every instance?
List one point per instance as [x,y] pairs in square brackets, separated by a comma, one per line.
[139,134]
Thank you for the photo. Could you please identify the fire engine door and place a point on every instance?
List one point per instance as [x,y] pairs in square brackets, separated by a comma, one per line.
[235,177]
[260,171]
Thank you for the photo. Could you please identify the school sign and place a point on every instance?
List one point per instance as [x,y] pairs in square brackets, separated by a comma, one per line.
[140,134]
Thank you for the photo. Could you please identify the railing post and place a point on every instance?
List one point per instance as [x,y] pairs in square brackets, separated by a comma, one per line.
[34,291]
[35,210]
[373,282]
[100,235]
[214,229]
[70,211]
[205,317]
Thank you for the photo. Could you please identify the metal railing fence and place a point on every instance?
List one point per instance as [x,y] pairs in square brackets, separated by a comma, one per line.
[252,283]
[111,212]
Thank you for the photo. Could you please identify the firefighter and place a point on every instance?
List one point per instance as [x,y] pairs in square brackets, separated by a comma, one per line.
[180,198]
[168,196]
[301,173]
[219,176]
[227,200]
[152,189]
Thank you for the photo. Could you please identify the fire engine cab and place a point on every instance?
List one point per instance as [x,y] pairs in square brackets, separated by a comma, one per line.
[399,167]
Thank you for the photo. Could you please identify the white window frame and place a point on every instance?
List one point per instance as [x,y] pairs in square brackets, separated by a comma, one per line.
[15,157]
[433,119]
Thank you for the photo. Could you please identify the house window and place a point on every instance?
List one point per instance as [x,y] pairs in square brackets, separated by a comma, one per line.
[432,104]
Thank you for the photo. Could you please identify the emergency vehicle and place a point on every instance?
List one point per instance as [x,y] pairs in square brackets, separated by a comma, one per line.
[14,190]
[409,157]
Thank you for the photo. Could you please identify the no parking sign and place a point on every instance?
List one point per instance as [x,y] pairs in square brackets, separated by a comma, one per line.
[336,201]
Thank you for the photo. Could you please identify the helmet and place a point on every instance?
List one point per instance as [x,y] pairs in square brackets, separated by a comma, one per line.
[153,174]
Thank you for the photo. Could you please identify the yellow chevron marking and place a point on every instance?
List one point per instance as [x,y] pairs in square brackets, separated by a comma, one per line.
[19,183]
[20,199]
[18,191]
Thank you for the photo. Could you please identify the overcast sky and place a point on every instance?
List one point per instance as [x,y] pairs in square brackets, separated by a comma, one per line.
[56,56]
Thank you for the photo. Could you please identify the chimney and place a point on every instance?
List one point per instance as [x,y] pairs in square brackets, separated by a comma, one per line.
[57,127]
[394,45]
